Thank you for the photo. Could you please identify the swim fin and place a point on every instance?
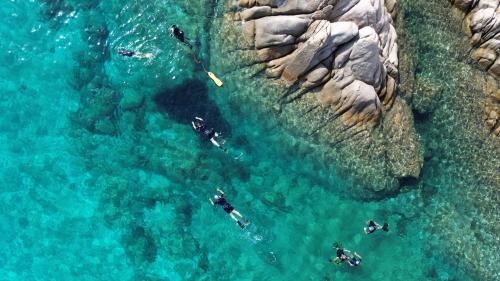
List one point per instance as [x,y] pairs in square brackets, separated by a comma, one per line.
[241,225]
[385,227]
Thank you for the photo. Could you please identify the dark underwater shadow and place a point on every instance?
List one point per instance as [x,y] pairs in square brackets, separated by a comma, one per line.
[189,99]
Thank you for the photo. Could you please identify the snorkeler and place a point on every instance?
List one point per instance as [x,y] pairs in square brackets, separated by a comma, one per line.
[129,53]
[176,32]
[220,200]
[201,128]
[179,35]
[373,226]
[341,256]
[355,260]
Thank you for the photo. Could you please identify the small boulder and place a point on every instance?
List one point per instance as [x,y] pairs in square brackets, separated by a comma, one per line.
[131,100]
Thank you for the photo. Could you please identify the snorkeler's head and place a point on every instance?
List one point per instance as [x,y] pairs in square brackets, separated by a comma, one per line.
[198,123]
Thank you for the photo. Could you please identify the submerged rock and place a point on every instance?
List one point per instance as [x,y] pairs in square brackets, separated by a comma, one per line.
[96,110]
[330,71]
[450,94]
[131,100]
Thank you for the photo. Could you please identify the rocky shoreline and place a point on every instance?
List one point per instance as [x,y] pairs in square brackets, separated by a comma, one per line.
[328,71]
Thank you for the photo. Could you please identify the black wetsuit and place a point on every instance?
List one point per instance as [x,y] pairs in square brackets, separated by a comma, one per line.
[204,131]
[225,205]
[340,252]
[126,53]
[341,255]
[355,261]
[371,227]
[178,33]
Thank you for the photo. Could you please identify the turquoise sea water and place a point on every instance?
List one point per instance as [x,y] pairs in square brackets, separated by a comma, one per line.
[104,179]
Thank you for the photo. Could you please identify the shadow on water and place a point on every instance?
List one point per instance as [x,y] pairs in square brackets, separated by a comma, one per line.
[189,99]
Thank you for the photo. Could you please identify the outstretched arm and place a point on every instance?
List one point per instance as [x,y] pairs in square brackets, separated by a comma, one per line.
[357,255]
[192,124]
[198,118]
[214,142]
[211,202]
[220,190]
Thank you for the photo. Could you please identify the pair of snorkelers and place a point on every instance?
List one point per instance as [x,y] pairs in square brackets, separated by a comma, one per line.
[175,31]
[344,255]
[354,259]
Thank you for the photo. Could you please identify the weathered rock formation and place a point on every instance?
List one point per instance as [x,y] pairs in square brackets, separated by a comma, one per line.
[330,69]
[348,49]
[482,24]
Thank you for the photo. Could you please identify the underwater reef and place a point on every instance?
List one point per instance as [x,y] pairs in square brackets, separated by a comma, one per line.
[447,91]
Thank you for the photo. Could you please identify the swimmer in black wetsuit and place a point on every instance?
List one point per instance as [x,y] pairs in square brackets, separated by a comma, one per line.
[373,226]
[201,128]
[228,208]
[341,256]
[355,260]
[126,53]
[179,35]
[129,53]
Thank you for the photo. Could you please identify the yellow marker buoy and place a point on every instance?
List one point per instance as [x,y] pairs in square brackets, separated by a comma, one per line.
[210,74]
[214,78]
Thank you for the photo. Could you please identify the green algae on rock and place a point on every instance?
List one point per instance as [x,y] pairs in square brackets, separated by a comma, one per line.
[482,25]
[446,90]
[328,71]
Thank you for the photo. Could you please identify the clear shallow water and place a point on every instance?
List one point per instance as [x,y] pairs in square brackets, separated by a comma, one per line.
[125,198]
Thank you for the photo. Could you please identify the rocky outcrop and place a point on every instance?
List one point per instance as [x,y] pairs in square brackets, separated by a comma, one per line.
[345,49]
[492,106]
[482,24]
[329,68]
